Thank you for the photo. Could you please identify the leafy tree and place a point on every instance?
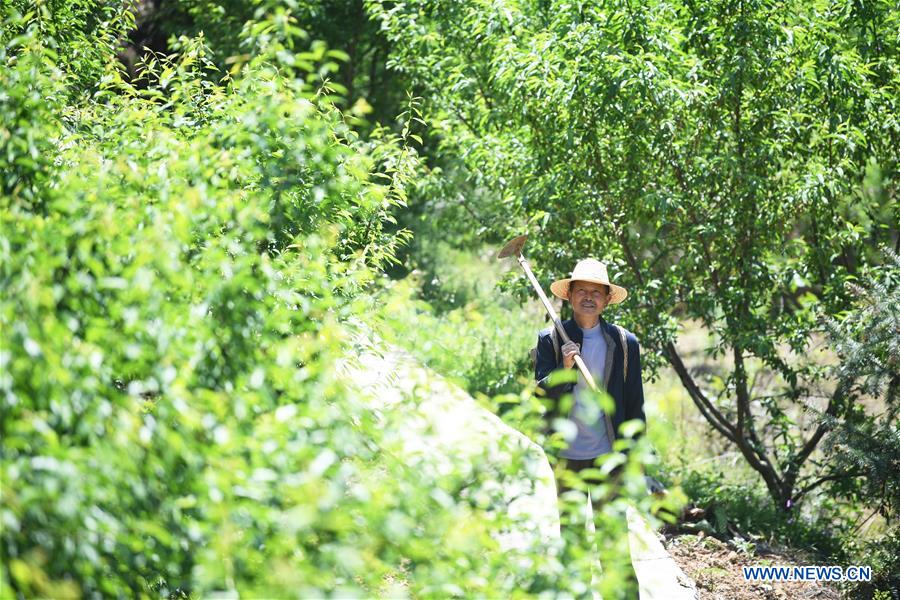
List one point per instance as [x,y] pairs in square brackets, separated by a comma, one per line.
[363,79]
[733,161]
[83,35]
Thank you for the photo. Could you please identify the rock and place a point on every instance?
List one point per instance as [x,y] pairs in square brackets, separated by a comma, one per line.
[693,514]
[448,431]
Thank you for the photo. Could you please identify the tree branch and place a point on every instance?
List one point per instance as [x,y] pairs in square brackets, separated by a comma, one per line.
[712,414]
[821,480]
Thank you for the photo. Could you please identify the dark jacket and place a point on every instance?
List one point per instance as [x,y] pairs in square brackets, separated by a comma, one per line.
[627,395]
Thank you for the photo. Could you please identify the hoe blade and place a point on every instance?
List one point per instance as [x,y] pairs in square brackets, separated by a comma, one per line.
[513,247]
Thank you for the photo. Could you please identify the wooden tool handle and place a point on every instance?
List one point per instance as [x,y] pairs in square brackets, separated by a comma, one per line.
[537,287]
[579,362]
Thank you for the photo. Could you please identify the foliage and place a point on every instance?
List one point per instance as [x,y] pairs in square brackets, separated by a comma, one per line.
[31,86]
[182,262]
[173,273]
[738,511]
[462,328]
[730,161]
[81,34]
[360,73]
[866,448]
[883,555]
[185,244]
[868,344]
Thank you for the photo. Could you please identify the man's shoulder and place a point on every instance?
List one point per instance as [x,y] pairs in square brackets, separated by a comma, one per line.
[546,332]
[630,337]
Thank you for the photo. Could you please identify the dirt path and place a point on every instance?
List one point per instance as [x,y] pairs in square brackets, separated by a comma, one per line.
[716,568]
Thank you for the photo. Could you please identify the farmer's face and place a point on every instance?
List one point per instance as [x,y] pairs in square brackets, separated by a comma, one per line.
[588,299]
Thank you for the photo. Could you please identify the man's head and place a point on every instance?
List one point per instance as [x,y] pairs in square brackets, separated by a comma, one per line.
[589,276]
[588,299]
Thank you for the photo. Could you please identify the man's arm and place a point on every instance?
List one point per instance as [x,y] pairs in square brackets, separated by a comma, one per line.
[634,403]
[545,363]
[634,386]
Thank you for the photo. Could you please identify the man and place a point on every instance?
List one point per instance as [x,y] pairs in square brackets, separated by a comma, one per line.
[607,350]
[612,355]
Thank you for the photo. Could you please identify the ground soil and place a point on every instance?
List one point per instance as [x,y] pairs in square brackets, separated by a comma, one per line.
[715,566]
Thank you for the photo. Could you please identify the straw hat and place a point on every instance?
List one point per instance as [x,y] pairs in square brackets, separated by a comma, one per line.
[593,271]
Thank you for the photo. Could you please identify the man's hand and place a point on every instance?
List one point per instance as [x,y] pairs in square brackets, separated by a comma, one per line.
[569,350]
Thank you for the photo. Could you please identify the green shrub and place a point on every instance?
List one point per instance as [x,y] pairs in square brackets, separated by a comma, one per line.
[175,264]
[866,446]
[465,330]
[736,508]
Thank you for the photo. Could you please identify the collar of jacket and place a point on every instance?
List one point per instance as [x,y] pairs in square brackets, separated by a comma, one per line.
[609,334]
